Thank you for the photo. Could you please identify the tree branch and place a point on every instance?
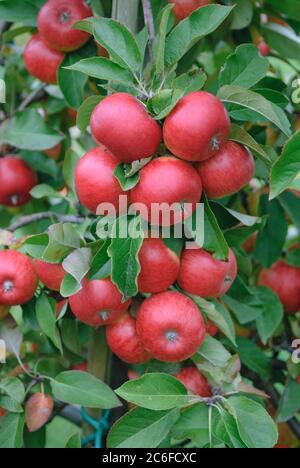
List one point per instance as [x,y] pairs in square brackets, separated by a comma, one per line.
[149,22]
[34,96]
[25,220]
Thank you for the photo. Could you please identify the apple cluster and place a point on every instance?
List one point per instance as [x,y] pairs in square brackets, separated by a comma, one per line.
[46,50]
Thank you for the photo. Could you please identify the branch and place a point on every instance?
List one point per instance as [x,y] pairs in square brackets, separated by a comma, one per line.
[149,22]
[25,220]
[34,96]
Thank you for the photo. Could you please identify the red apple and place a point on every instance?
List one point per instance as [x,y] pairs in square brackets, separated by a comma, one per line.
[122,124]
[41,61]
[16,181]
[159,266]
[38,411]
[170,326]
[284,280]
[194,381]
[167,180]
[82,367]
[263,48]
[54,153]
[184,8]
[228,171]
[50,274]
[95,181]
[18,280]
[211,328]
[203,275]
[55,21]
[197,127]
[123,340]
[98,303]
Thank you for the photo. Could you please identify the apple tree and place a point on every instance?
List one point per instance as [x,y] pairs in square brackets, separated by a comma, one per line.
[149,224]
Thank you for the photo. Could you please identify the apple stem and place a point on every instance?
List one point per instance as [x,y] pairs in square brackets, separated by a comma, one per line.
[149,22]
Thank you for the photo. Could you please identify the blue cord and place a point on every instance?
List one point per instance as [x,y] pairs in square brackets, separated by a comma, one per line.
[101,426]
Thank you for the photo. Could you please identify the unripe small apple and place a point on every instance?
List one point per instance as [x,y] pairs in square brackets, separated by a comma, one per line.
[167,180]
[99,302]
[159,266]
[16,181]
[38,411]
[194,381]
[205,276]
[18,279]
[50,274]
[54,153]
[197,127]
[170,326]
[95,181]
[41,61]
[122,124]
[55,21]
[284,280]
[228,171]
[123,340]
[183,8]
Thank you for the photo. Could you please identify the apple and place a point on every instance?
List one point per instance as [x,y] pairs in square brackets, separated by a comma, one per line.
[167,180]
[197,127]
[38,411]
[123,340]
[54,153]
[159,266]
[194,381]
[2,412]
[99,302]
[56,20]
[170,326]
[284,280]
[205,276]
[50,274]
[263,48]
[184,8]
[122,124]
[18,279]
[228,171]
[41,61]
[16,181]
[95,181]
[81,367]
[211,328]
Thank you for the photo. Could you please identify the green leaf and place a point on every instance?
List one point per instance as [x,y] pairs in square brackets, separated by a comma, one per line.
[70,335]
[268,322]
[257,103]
[126,183]
[193,424]
[119,42]
[103,69]
[81,388]
[69,286]
[284,40]
[70,81]
[290,402]
[240,135]
[245,67]
[163,30]
[290,202]
[291,8]
[293,258]
[35,245]
[86,109]
[41,163]
[11,430]
[154,391]
[23,11]
[254,358]
[10,405]
[256,427]
[287,167]
[271,238]
[142,428]
[214,240]
[14,388]
[59,433]
[28,130]
[63,238]
[100,260]
[78,263]
[242,14]
[126,243]
[44,191]
[218,314]
[46,317]
[69,165]
[213,351]
[243,302]
[189,31]
[226,430]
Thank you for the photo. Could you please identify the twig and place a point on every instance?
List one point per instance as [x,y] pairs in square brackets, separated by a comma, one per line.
[35,95]
[25,220]
[149,22]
